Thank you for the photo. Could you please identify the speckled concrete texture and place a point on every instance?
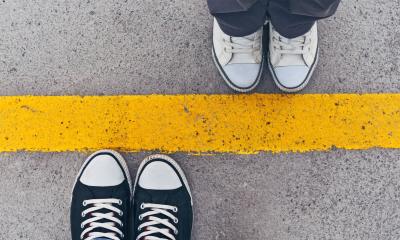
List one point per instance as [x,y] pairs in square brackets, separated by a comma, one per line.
[88,47]
[334,195]
[139,47]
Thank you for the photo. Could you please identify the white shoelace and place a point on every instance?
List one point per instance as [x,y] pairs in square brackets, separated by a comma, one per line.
[299,45]
[91,224]
[248,44]
[151,220]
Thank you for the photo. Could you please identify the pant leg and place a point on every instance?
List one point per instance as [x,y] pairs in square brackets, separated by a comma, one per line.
[238,19]
[293,18]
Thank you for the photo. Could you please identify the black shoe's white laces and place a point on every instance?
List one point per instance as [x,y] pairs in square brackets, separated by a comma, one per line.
[100,220]
[152,222]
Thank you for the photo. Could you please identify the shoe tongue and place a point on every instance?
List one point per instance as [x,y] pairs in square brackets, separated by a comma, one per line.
[241,39]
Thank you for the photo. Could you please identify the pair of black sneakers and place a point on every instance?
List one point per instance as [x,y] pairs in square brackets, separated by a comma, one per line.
[105,206]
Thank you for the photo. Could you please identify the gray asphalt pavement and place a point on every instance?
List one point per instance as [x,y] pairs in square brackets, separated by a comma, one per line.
[139,47]
[335,195]
[86,47]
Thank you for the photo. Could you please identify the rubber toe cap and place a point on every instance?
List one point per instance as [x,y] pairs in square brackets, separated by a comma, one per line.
[158,175]
[291,76]
[102,171]
[243,75]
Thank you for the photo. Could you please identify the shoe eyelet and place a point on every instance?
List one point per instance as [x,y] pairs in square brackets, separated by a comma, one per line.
[120,202]
[122,235]
[139,228]
[82,226]
[83,214]
[121,213]
[122,225]
[176,220]
[176,232]
[140,217]
[142,206]
[175,209]
[84,203]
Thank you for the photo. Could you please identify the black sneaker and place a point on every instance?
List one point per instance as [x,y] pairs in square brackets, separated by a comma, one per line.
[101,198]
[162,203]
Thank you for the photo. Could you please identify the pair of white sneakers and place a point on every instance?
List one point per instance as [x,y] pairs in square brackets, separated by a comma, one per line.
[241,60]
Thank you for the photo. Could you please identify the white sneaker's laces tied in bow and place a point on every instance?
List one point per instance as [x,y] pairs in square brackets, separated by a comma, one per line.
[97,219]
[150,221]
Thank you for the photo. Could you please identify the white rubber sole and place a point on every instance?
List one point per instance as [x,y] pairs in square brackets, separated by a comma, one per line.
[119,158]
[301,86]
[169,160]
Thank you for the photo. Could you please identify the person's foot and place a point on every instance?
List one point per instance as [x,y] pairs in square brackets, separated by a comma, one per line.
[101,198]
[292,61]
[162,202]
[239,60]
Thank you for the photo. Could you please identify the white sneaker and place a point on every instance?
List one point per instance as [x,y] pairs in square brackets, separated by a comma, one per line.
[292,61]
[239,59]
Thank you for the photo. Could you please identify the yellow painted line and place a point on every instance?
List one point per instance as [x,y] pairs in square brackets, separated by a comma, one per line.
[200,123]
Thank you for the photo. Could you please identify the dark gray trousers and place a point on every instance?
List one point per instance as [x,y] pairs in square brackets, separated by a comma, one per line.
[291,18]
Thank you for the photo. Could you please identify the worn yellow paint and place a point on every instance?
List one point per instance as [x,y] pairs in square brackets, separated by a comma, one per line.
[200,123]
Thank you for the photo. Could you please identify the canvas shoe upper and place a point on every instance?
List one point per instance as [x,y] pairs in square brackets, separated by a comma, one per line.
[292,61]
[101,198]
[162,203]
[238,59]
